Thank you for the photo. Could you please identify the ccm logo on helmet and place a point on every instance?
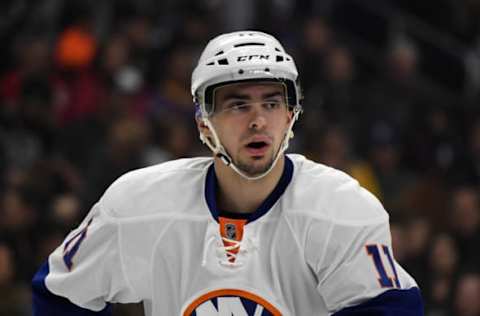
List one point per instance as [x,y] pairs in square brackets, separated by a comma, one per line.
[250,57]
[230,302]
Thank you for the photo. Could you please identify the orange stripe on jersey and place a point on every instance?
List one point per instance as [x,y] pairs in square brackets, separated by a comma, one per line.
[231,229]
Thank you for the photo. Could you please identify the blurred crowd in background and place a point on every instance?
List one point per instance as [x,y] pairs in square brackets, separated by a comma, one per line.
[92,89]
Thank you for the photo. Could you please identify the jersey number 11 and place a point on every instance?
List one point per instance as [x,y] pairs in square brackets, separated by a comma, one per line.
[384,279]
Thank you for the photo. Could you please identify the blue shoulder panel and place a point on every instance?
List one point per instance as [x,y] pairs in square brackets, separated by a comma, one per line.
[45,303]
[390,303]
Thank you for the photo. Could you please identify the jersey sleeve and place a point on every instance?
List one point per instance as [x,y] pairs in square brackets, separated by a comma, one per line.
[351,253]
[405,302]
[86,269]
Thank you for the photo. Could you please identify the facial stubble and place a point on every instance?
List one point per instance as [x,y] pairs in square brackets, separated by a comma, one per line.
[249,166]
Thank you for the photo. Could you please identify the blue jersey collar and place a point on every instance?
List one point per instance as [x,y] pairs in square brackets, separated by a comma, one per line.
[211,187]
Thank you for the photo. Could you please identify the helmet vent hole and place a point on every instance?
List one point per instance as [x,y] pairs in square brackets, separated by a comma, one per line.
[277,49]
[210,64]
[240,71]
[249,44]
[267,69]
[219,53]
[288,59]
[279,58]
[223,61]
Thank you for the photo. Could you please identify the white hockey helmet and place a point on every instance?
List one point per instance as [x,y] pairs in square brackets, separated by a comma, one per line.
[243,56]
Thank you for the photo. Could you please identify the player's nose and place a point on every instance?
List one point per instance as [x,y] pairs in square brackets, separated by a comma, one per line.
[258,119]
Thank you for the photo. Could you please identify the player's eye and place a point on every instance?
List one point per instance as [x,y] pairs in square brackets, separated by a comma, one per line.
[238,106]
[272,104]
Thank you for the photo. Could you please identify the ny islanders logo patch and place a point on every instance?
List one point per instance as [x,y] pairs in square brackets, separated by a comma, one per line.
[230,302]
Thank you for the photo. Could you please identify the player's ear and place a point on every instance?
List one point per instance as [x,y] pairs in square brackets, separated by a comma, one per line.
[202,126]
[289,115]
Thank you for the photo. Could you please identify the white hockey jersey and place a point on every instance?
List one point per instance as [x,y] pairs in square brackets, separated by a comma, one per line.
[318,244]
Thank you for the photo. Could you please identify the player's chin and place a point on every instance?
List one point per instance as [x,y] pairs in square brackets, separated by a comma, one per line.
[254,171]
[256,165]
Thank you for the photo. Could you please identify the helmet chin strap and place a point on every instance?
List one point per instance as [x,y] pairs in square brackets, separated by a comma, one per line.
[219,151]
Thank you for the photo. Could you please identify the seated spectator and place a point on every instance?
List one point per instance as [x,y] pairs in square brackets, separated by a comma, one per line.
[465,223]
[467,295]
[14,296]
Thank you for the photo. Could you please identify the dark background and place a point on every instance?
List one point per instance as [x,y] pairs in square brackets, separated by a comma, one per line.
[92,89]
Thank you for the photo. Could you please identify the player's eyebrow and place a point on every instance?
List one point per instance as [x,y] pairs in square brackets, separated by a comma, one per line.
[273,94]
[235,96]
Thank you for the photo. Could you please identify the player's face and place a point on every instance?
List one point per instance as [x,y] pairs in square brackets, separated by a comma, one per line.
[251,120]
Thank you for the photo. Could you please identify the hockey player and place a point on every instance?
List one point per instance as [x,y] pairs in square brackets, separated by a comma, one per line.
[251,231]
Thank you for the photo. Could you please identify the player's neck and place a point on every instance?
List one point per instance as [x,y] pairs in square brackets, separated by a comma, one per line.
[239,195]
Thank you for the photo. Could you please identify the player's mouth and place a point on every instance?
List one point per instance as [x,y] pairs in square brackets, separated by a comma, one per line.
[258,146]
